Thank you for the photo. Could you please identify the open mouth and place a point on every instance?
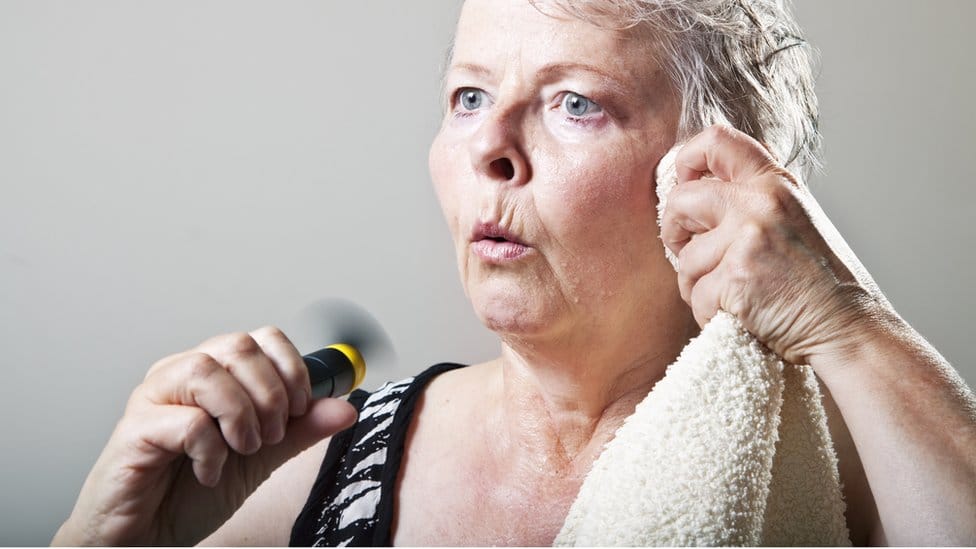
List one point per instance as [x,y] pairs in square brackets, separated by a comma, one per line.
[493,243]
[494,232]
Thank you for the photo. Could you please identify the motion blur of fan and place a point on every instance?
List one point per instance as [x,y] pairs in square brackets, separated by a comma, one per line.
[341,338]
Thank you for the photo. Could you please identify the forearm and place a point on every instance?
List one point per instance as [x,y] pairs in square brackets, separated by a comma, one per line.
[913,421]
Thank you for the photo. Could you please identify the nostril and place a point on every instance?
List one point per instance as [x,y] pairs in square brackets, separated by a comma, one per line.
[503,168]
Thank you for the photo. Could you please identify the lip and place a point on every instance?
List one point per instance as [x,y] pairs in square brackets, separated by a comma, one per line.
[496,244]
[494,232]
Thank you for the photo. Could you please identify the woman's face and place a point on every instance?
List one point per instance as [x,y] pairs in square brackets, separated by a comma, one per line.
[544,167]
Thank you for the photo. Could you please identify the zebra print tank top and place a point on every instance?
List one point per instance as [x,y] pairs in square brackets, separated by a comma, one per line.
[351,503]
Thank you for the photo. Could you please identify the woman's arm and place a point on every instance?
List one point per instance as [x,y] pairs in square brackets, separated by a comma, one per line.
[266,517]
[860,511]
[913,420]
[752,241]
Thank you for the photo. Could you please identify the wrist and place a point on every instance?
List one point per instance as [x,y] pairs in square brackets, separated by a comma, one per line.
[868,336]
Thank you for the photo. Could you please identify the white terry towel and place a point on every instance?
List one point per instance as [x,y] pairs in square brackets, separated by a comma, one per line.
[731,447]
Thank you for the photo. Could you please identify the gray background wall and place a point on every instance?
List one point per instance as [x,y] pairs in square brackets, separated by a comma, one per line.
[174,170]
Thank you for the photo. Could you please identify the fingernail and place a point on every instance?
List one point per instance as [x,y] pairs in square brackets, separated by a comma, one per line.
[278,430]
[272,431]
[213,477]
[252,442]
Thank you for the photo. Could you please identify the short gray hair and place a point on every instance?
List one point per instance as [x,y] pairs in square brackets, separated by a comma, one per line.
[743,62]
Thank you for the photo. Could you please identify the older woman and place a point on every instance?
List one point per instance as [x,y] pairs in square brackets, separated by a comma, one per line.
[556,116]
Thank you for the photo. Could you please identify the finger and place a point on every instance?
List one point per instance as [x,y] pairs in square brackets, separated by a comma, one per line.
[197,379]
[700,256]
[705,296]
[324,418]
[722,150]
[186,430]
[693,207]
[246,361]
[288,364]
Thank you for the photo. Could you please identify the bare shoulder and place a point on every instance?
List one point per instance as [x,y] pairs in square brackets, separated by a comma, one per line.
[447,405]
[862,513]
[267,515]
[456,387]
[436,481]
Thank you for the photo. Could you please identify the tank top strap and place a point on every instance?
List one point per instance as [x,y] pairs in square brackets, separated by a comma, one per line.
[351,502]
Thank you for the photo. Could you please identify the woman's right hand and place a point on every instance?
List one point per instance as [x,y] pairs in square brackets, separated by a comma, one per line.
[201,432]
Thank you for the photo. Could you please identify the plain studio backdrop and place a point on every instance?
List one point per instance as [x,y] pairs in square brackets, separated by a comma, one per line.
[175,170]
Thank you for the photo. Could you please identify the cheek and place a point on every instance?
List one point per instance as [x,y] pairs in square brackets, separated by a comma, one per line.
[442,163]
[602,197]
[602,218]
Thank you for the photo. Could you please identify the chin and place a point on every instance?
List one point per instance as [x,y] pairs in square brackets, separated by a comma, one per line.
[516,313]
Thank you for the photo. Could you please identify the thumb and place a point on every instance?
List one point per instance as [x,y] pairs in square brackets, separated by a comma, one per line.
[324,418]
[724,152]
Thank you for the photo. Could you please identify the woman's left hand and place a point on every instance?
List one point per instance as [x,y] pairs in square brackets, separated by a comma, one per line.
[752,241]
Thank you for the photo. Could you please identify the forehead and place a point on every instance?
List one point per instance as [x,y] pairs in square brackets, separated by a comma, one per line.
[500,33]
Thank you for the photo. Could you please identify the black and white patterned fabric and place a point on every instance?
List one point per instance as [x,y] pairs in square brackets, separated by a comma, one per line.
[351,503]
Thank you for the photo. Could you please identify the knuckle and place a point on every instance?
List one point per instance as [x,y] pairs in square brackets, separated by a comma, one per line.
[690,261]
[270,332]
[201,365]
[199,425]
[675,196]
[683,200]
[294,377]
[129,429]
[683,261]
[775,199]
[241,343]
[138,398]
[669,225]
[736,300]
[273,398]
[699,307]
[755,237]
[719,132]
[769,204]
[685,288]
[156,366]
[738,271]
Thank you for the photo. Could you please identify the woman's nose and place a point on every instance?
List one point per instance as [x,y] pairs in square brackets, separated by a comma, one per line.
[497,149]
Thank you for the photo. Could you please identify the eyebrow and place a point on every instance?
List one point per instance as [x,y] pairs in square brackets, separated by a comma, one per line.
[469,67]
[548,71]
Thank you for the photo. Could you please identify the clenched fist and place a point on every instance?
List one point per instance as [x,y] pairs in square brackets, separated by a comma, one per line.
[201,432]
[751,241]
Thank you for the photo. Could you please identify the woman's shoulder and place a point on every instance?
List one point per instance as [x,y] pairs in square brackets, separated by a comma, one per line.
[449,416]
[444,385]
[401,389]
[351,500]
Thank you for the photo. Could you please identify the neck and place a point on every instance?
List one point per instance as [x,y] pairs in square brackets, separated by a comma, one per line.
[563,401]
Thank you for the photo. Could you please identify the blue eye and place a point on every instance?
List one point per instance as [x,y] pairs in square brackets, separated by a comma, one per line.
[577,105]
[471,98]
